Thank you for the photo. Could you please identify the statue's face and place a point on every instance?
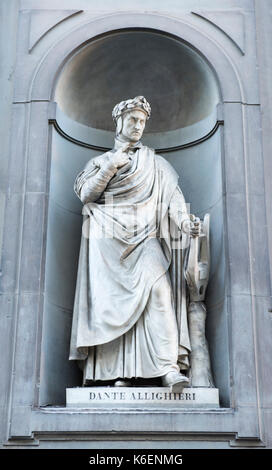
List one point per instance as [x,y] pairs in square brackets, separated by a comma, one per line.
[133,125]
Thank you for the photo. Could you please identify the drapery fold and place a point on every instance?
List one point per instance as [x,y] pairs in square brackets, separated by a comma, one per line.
[125,249]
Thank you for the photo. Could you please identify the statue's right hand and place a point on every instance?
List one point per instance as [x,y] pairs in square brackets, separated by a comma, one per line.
[120,158]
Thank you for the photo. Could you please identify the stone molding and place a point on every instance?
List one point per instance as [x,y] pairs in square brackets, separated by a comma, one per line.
[241,423]
[66,136]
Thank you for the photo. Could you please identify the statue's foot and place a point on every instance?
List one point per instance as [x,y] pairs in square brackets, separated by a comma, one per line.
[122,383]
[175,381]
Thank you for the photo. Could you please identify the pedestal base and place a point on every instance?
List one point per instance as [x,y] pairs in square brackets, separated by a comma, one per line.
[141,397]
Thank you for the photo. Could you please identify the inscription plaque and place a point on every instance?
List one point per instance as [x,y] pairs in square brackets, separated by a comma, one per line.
[92,397]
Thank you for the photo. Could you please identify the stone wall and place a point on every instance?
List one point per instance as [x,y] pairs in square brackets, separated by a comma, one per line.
[235,39]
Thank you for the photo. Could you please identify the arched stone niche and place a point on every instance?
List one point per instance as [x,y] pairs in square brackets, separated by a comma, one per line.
[184,128]
[174,77]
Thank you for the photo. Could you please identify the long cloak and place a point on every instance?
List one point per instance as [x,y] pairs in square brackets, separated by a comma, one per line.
[125,249]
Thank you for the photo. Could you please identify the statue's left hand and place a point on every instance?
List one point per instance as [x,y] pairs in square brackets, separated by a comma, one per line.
[195,228]
[192,227]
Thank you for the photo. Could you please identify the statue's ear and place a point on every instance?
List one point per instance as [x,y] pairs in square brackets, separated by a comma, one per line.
[119,125]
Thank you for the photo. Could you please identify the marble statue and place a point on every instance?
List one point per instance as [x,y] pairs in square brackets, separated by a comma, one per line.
[126,322]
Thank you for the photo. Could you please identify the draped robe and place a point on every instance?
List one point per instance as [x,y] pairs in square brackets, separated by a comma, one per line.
[124,322]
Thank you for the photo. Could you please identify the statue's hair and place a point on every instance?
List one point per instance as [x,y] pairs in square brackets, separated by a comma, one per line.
[119,125]
[139,102]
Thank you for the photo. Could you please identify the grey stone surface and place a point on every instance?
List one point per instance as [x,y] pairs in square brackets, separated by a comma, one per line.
[231,88]
[242,351]
[2,214]
[56,371]
[238,246]
[17,164]
[64,233]
[200,167]
[172,5]
[263,304]
[248,424]
[267,427]
[143,442]
[38,149]
[11,243]
[25,348]
[32,246]
[263,323]
[7,306]
[44,21]
[161,423]
[231,23]
[253,148]
[67,161]
[8,14]
[217,331]
[233,163]
[259,238]
[263,40]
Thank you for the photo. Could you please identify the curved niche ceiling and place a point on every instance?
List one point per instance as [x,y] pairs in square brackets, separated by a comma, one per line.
[175,79]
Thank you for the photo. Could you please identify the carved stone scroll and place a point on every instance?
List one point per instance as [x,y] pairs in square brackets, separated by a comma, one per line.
[197,277]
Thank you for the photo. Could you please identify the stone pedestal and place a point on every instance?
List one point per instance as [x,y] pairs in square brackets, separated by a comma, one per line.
[139,397]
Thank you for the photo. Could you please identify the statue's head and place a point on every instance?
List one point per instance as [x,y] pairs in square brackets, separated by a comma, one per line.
[130,117]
